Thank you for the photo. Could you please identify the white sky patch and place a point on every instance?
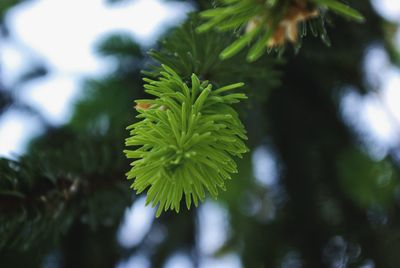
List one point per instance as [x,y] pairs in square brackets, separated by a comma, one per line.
[377,120]
[264,166]
[390,9]
[12,63]
[376,116]
[376,65]
[63,31]
[213,227]
[16,129]
[179,260]
[53,95]
[391,94]
[136,224]
[369,118]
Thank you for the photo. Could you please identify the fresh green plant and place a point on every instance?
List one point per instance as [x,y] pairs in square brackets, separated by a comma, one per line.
[186,136]
[185,140]
[270,23]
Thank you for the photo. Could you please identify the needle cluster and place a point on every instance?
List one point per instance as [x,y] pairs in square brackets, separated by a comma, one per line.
[269,24]
[185,140]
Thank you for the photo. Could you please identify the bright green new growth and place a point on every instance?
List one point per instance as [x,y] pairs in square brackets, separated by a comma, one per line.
[260,21]
[186,139]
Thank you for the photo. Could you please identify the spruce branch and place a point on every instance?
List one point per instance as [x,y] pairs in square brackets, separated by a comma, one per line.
[185,140]
[44,193]
[270,24]
[187,52]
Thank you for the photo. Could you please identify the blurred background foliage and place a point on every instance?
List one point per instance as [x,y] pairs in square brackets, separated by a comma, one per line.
[325,200]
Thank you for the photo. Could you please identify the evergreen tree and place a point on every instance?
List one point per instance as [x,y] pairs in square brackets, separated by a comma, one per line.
[236,75]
